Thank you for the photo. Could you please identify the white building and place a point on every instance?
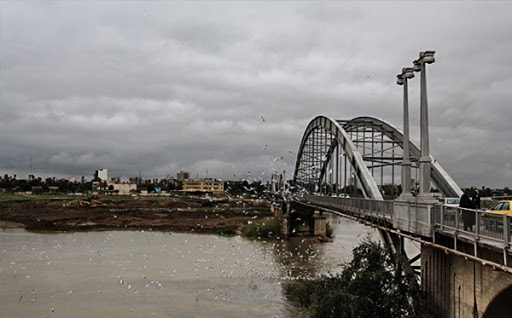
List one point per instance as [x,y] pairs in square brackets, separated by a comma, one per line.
[103,174]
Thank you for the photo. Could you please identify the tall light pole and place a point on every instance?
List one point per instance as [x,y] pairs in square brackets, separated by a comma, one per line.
[407,73]
[426,57]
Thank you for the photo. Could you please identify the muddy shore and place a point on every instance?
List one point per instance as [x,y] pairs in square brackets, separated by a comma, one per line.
[174,214]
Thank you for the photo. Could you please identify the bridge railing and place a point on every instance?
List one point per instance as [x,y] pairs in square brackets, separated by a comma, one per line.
[479,224]
[375,208]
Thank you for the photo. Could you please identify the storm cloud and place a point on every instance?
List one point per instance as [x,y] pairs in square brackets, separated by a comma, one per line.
[226,89]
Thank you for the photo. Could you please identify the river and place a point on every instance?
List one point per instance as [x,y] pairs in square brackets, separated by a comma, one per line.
[160,274]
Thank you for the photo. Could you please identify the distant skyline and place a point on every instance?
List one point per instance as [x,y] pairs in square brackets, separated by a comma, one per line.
[229,87]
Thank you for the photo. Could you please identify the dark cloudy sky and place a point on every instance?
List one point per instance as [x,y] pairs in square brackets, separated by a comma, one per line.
[158,87]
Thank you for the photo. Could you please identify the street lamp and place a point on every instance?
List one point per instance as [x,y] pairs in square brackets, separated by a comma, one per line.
[407,73]
[426,57]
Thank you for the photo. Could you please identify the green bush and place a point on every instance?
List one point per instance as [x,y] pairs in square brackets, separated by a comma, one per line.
[262,228]
[371,285]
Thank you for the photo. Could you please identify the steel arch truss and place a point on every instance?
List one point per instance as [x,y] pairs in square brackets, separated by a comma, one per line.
[323,139]
[440,177]
[360,152]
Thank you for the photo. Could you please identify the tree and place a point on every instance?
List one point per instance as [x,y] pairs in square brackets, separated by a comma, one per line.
[236,187]
[485,192]
[391,190]
[23,185]
[257,187]
[371,285]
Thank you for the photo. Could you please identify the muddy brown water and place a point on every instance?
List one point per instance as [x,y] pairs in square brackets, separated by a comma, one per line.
[160,274]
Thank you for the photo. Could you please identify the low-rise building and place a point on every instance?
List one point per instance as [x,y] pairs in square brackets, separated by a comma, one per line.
[115,180]
[203,185]
[124,188]
[182,175]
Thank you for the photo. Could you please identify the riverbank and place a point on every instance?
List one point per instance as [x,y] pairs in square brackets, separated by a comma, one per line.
[172,214]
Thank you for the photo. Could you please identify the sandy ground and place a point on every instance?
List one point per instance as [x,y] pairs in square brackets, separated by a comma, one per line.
[167,215]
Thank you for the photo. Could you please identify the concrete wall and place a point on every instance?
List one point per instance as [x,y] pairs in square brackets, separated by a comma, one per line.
[456,288]
[124,188]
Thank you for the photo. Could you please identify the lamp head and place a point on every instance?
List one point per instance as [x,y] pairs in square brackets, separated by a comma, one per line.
[416,65]
[427,57]
[399,79]
[407,72]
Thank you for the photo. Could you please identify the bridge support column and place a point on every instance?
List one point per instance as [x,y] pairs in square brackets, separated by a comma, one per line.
[302,220]
[319,225]
[283,213]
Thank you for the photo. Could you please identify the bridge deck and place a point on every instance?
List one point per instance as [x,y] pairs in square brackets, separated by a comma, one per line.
[488,231]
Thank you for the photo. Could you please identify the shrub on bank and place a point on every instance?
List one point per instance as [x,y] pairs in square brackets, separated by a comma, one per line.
[262,228]
[371,285]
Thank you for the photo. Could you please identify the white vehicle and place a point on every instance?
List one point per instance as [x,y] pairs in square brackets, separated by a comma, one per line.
[451,202]
[343,195]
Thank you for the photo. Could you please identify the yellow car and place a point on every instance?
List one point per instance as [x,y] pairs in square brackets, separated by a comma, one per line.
[502,207]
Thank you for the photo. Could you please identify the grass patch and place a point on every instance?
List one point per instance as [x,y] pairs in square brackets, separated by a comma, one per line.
[262,228]
[28,197]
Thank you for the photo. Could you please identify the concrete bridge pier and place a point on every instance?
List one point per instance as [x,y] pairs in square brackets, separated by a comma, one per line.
[318,226]
[299,220]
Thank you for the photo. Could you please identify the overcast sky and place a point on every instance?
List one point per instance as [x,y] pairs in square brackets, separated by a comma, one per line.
[228,88]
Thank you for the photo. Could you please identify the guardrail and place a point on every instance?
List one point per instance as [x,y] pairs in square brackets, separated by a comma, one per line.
[488,227]
[375,208]
[479,224]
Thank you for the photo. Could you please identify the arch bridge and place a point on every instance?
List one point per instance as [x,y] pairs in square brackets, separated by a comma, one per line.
[353,168]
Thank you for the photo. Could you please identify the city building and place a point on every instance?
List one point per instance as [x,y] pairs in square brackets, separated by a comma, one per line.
[277,182]
[203,185]
[182,175]
[114,180]
[135,180]
[170,181]
[102,174]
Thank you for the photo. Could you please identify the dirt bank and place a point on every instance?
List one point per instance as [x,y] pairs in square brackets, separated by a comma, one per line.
[167,215]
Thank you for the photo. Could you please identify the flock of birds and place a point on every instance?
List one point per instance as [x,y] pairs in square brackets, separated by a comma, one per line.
[145,262]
